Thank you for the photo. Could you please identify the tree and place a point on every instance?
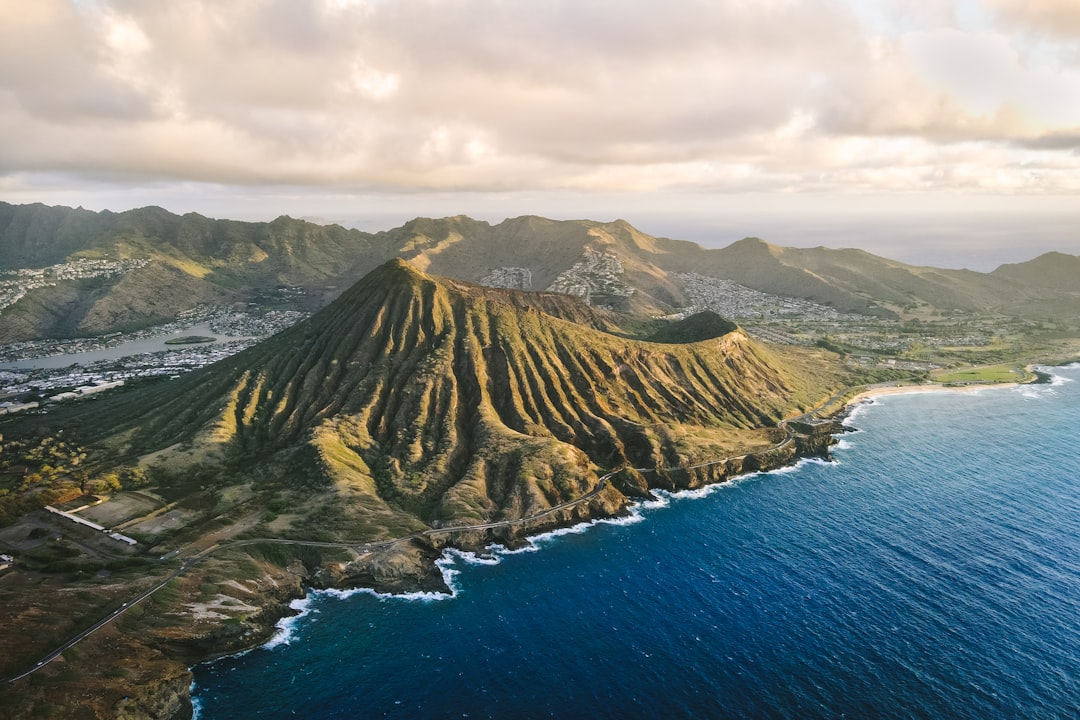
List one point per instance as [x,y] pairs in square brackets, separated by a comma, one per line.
[134,477]
[111,482]
[82,477]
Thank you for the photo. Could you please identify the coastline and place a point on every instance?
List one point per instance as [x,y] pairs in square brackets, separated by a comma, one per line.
[414,568]
[929,388]
[1038,377]
[430,581]
[586,513]
[746,522]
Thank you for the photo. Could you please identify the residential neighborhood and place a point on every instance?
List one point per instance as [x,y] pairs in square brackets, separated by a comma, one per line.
[100,364]
[14,284]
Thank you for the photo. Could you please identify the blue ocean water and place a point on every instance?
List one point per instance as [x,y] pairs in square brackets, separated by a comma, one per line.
[932,571]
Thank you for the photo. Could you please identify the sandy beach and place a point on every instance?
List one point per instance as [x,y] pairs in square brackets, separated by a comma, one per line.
[909,389]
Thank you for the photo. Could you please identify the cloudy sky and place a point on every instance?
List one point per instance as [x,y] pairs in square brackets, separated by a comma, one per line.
[945,131]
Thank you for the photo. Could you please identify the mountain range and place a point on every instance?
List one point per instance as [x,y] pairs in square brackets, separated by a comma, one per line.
[193,259]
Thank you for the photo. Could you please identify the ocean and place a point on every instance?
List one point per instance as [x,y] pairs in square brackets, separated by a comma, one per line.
[931,570]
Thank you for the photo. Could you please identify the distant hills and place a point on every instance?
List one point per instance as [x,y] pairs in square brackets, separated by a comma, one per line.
[199,260]
[193,260]
[1053,270]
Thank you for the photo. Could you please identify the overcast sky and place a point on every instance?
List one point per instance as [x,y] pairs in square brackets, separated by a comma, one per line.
[937,131]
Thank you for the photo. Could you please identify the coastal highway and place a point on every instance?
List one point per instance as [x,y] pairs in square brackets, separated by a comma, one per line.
[360,547]
[101,623]
[601,483]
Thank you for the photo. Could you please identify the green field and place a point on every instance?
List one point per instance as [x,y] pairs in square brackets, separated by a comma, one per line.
[120,508]
[988,374]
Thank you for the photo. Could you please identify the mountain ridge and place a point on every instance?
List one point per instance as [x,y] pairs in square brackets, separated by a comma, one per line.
[1053,269]
[611,264]
[415,398]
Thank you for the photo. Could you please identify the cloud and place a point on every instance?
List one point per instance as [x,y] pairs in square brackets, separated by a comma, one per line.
[487,95]
[1052,17]
[55,64]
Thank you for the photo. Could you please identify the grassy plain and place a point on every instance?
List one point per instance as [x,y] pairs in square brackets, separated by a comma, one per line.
[1003,373]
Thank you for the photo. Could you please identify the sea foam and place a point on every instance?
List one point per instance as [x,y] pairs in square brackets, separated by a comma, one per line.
[196,702]
[857,409]
[286,626]
[493,554]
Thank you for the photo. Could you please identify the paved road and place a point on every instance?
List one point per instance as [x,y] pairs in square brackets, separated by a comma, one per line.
[100,623]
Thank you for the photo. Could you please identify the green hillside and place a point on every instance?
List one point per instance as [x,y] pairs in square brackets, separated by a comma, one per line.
[415,401]
[193,260]
[409,407]
[1053,270]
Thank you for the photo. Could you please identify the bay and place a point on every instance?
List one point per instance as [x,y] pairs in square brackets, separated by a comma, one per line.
[124,349]
[931,571]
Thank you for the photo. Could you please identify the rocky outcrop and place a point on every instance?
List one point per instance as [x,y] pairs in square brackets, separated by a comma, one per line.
[404,567]
[166,699]
[410,566]
[694,477]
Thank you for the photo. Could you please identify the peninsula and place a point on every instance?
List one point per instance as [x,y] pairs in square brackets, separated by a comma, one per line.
[418,412]
[413,414]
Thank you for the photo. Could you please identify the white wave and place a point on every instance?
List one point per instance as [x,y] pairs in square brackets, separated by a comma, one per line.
[493,554]
[843,444]
[857,409]
[528,547]
[662,499]
[420,595]
[698,493]
[695,493]
[196,702]
[471,558]
[1057,380]
[1042,391]
[814,461]
[446,567]
[1033,392]
[534,543]
[286,626]
[631,518]
[798,465]
[1046,390]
